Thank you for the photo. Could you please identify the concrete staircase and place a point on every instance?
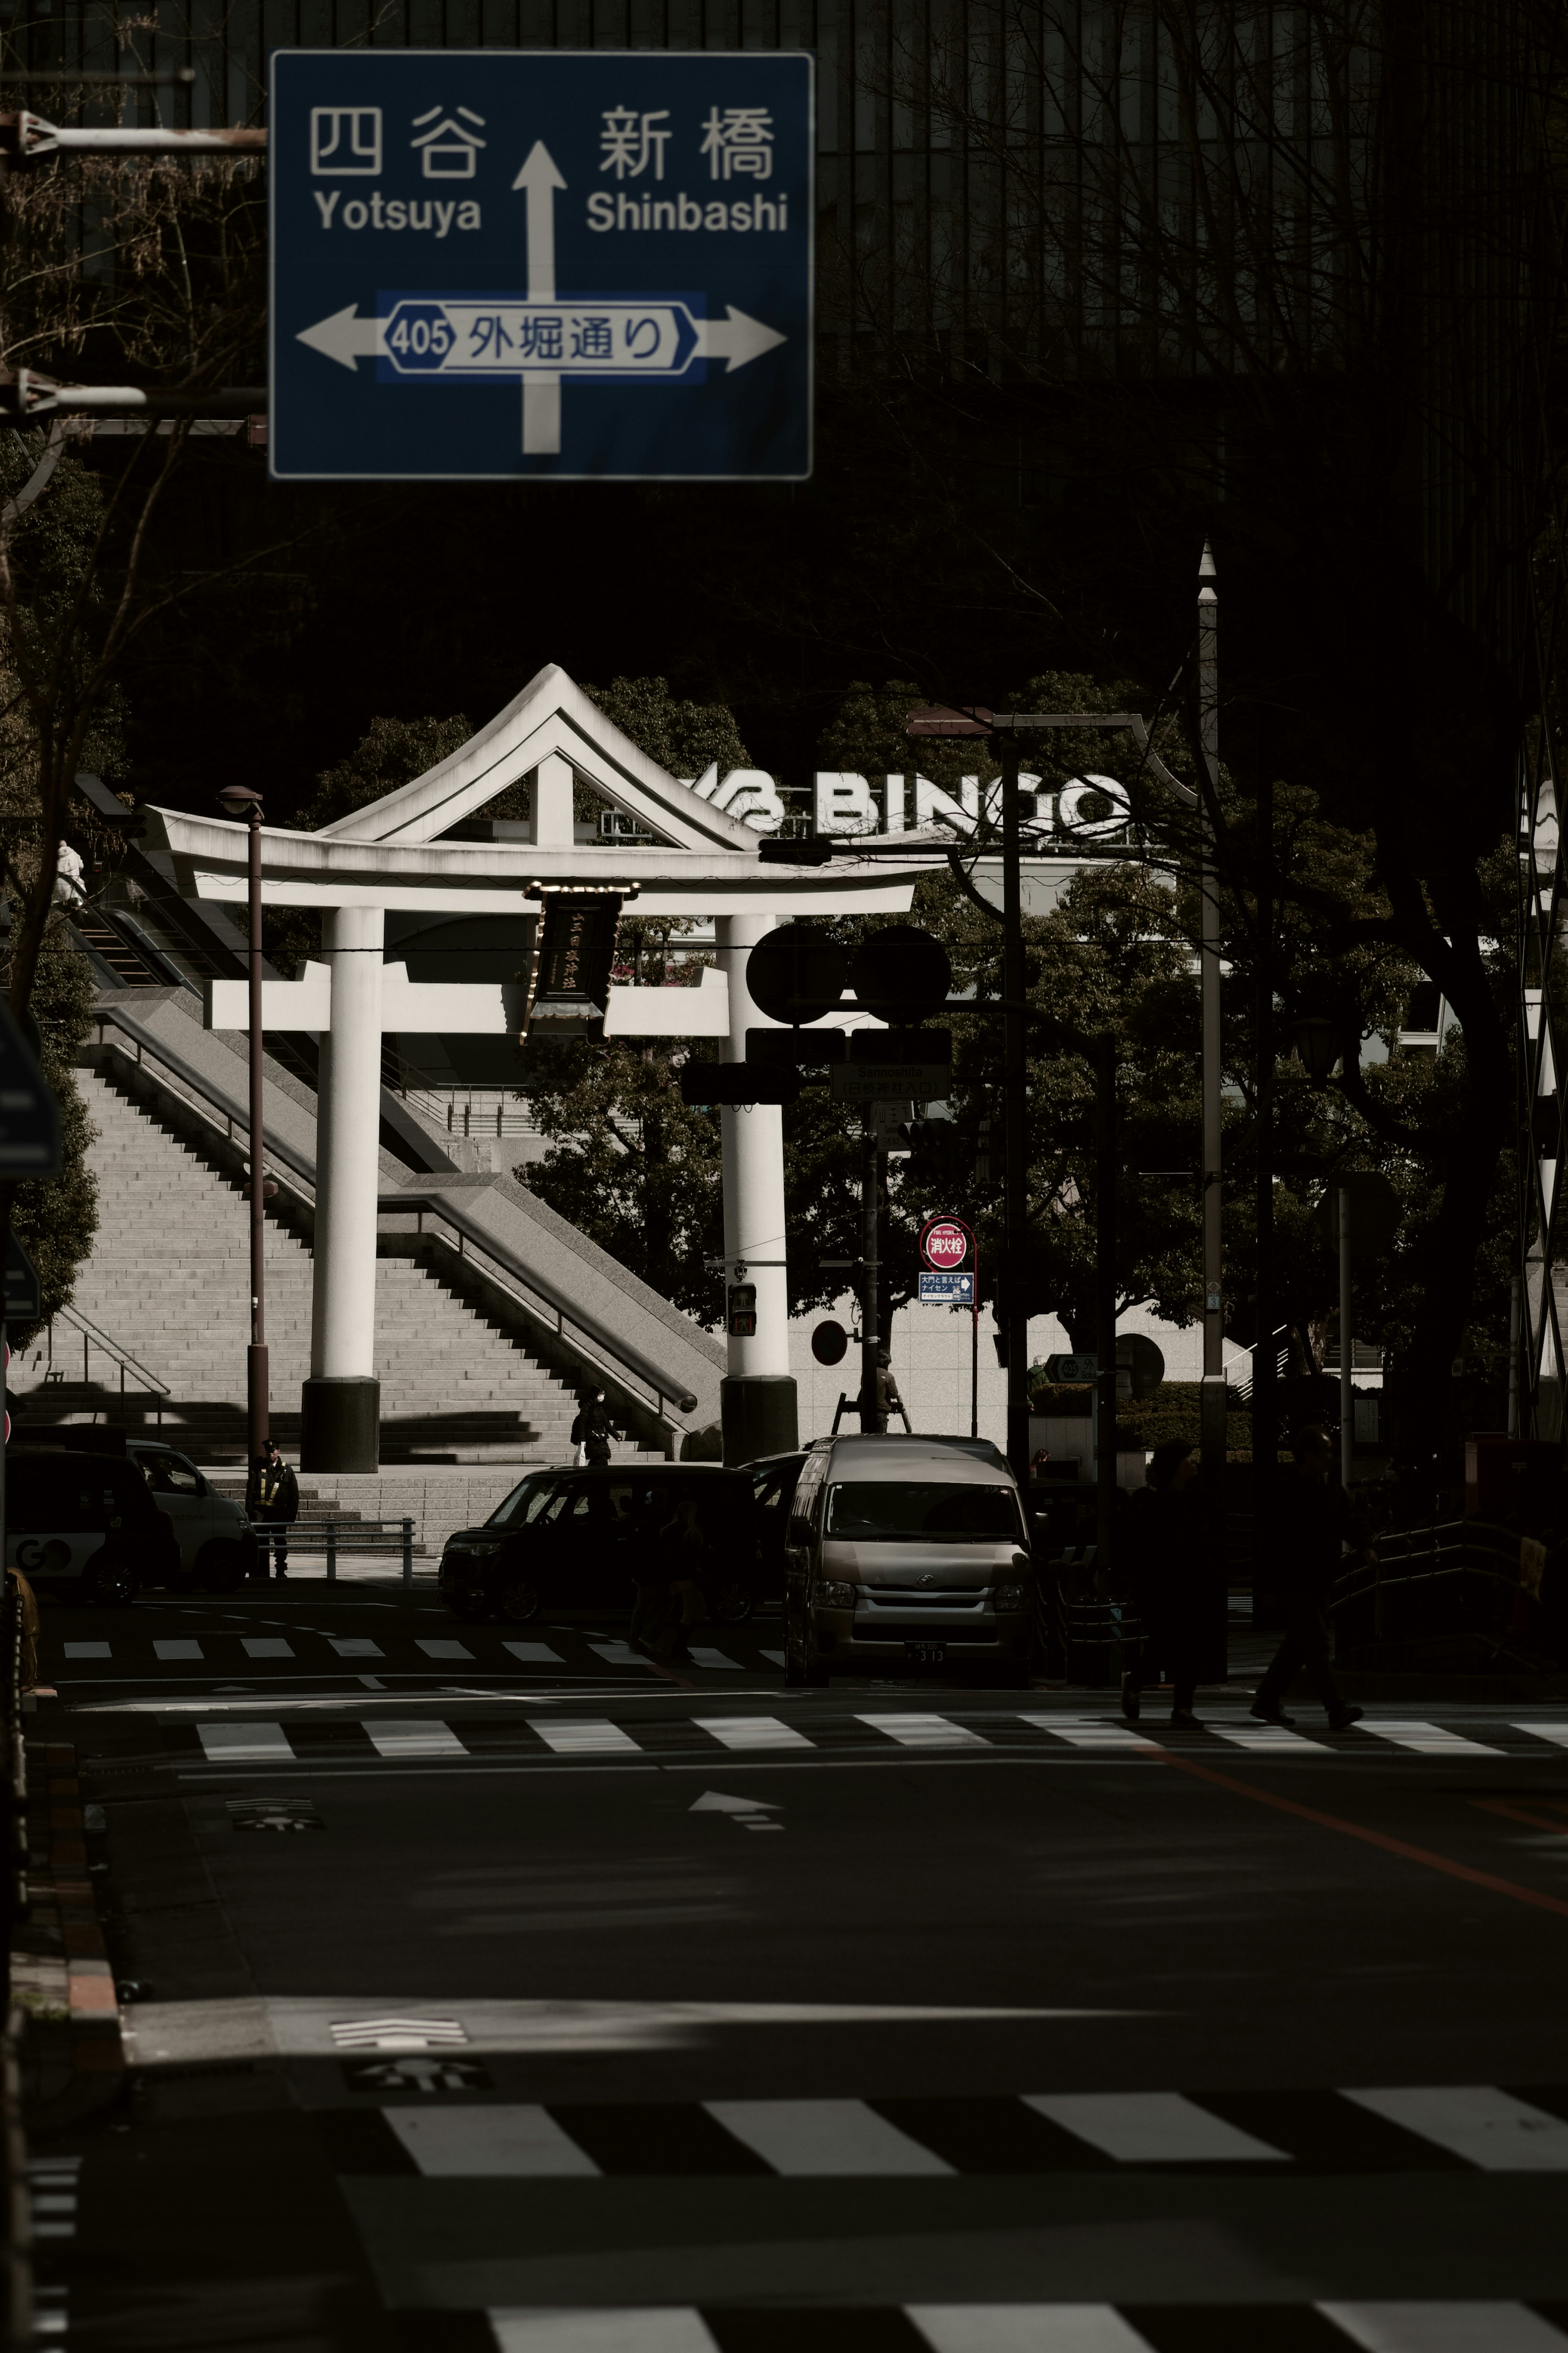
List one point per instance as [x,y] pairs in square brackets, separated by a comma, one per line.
[169,1282]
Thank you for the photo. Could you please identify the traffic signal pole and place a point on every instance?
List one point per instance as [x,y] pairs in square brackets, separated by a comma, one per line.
[1211,1415]
[1015,1098]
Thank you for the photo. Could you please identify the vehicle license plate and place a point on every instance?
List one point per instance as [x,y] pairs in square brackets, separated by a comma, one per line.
[926,1654]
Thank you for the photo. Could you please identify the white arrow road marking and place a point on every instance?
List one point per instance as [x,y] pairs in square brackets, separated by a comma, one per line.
[539,180]
[736,339]
[746,1813]
[345,337]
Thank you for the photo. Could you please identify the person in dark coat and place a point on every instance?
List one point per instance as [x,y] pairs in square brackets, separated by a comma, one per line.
[1160,1550]
[272,1500]
[1314,1519]
[591,1429]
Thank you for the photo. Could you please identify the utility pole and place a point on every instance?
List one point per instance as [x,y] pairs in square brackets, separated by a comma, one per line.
[241,804]
[1212,1424]
[1101,1053]
[1015,1100]
[1265,1405]
[872,1414]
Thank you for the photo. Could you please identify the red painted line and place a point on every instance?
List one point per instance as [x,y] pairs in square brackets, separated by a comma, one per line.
[1518,1814]
[1368,1837]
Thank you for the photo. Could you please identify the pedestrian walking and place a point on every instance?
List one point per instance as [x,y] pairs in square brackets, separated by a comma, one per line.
[1160,1548]
[669,1588]
[272,1501]
[1315,1519]
[591,1429]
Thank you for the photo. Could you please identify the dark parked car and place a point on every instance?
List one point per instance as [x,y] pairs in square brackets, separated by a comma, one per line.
[773,1482]
[85,1524]
[574,1539]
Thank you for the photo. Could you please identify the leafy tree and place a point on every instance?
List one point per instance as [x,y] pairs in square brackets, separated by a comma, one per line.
[685,738]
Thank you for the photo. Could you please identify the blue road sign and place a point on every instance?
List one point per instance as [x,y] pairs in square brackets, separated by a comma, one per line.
[954,1290]
[586,266]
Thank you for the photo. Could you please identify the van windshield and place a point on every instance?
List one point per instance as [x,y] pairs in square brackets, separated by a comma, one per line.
[908,1512]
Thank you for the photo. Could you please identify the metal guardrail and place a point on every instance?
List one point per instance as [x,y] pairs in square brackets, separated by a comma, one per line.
[336,1537]
[1413,1560]
[561,1312]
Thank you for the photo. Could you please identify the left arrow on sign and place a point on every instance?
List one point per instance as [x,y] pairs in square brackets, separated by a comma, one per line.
[345,337]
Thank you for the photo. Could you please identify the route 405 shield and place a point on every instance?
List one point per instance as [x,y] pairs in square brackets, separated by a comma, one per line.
[490,264]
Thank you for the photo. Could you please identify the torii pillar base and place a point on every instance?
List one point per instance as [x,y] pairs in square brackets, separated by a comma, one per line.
[340,1425]
[759,1416]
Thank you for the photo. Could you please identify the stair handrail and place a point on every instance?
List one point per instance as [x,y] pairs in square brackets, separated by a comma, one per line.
[620,1352]
[111,1347]
[665,1385]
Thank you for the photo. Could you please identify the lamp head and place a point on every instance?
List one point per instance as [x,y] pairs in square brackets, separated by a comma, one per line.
[1318,1044]
[238,800]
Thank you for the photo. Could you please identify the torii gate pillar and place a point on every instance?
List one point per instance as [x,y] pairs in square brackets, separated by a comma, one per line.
[758,1390]
[341,1403]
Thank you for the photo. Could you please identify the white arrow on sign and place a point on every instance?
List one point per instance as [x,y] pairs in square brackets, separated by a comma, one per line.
[736,339]
[345,337]
[539,180]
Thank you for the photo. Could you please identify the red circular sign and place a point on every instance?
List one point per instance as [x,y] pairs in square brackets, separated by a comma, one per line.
[944,1244]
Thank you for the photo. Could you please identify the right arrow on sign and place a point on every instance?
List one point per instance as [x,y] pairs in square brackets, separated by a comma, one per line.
[736,339]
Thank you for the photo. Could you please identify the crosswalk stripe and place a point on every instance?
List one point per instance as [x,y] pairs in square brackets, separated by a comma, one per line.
[434,1648]
[1265,1736]
[354,1646]
[491,2142]
[1149,2127]
[1089,1732]
[1484,2124]
[663,2328]
[229,1743]
[578,1736]
[701,1658]
[821,2137]
[87,1651]
[415,1737]
[176,1649]
[533,1654]
[1025,2329]
[267,1646]
[1427,1739]
[773,1658]
[752,1732]
[1556,1733]
[617,1654]
[913,1731]
[1456,2326]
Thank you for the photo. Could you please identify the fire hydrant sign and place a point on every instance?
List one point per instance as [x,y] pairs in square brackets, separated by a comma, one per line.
[586,266]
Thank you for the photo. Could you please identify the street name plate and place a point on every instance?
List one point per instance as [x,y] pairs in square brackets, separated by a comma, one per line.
[587,266]
[894,1082]
[951,1288]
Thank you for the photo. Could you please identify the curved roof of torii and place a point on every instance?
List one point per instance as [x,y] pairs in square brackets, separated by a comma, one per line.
[551,714]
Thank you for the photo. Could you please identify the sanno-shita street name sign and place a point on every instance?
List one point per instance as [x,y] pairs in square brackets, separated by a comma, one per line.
[586,266]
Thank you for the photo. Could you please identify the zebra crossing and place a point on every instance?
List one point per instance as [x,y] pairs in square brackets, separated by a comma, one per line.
[314,1645]
[225,1737]
[1456,2129]
[1329,2327]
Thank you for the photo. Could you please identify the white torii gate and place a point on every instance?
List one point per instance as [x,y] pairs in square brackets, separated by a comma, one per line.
[392,855]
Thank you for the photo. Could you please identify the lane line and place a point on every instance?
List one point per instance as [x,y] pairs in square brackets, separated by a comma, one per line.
[755,1732]
[1401,1847]
[231,1744]
[818,2139]
[1150,2127]
[663,2328]
[921,1730]
[490,2143]
[1025,2328]
[1489,2128]
[1518,1814]
[413,1737]
[1459,2327]
[1090,1732]
[585,1735]
[1427,1739]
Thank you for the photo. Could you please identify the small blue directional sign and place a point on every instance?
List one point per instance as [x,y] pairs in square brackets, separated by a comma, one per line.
[586,266]
[956,1289]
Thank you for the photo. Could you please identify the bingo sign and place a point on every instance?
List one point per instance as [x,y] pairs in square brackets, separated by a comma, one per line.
[948,1254]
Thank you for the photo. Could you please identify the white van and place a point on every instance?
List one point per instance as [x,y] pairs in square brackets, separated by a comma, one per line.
[906,1552]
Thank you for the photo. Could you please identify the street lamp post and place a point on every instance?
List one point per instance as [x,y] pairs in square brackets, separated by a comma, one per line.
[246,805]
